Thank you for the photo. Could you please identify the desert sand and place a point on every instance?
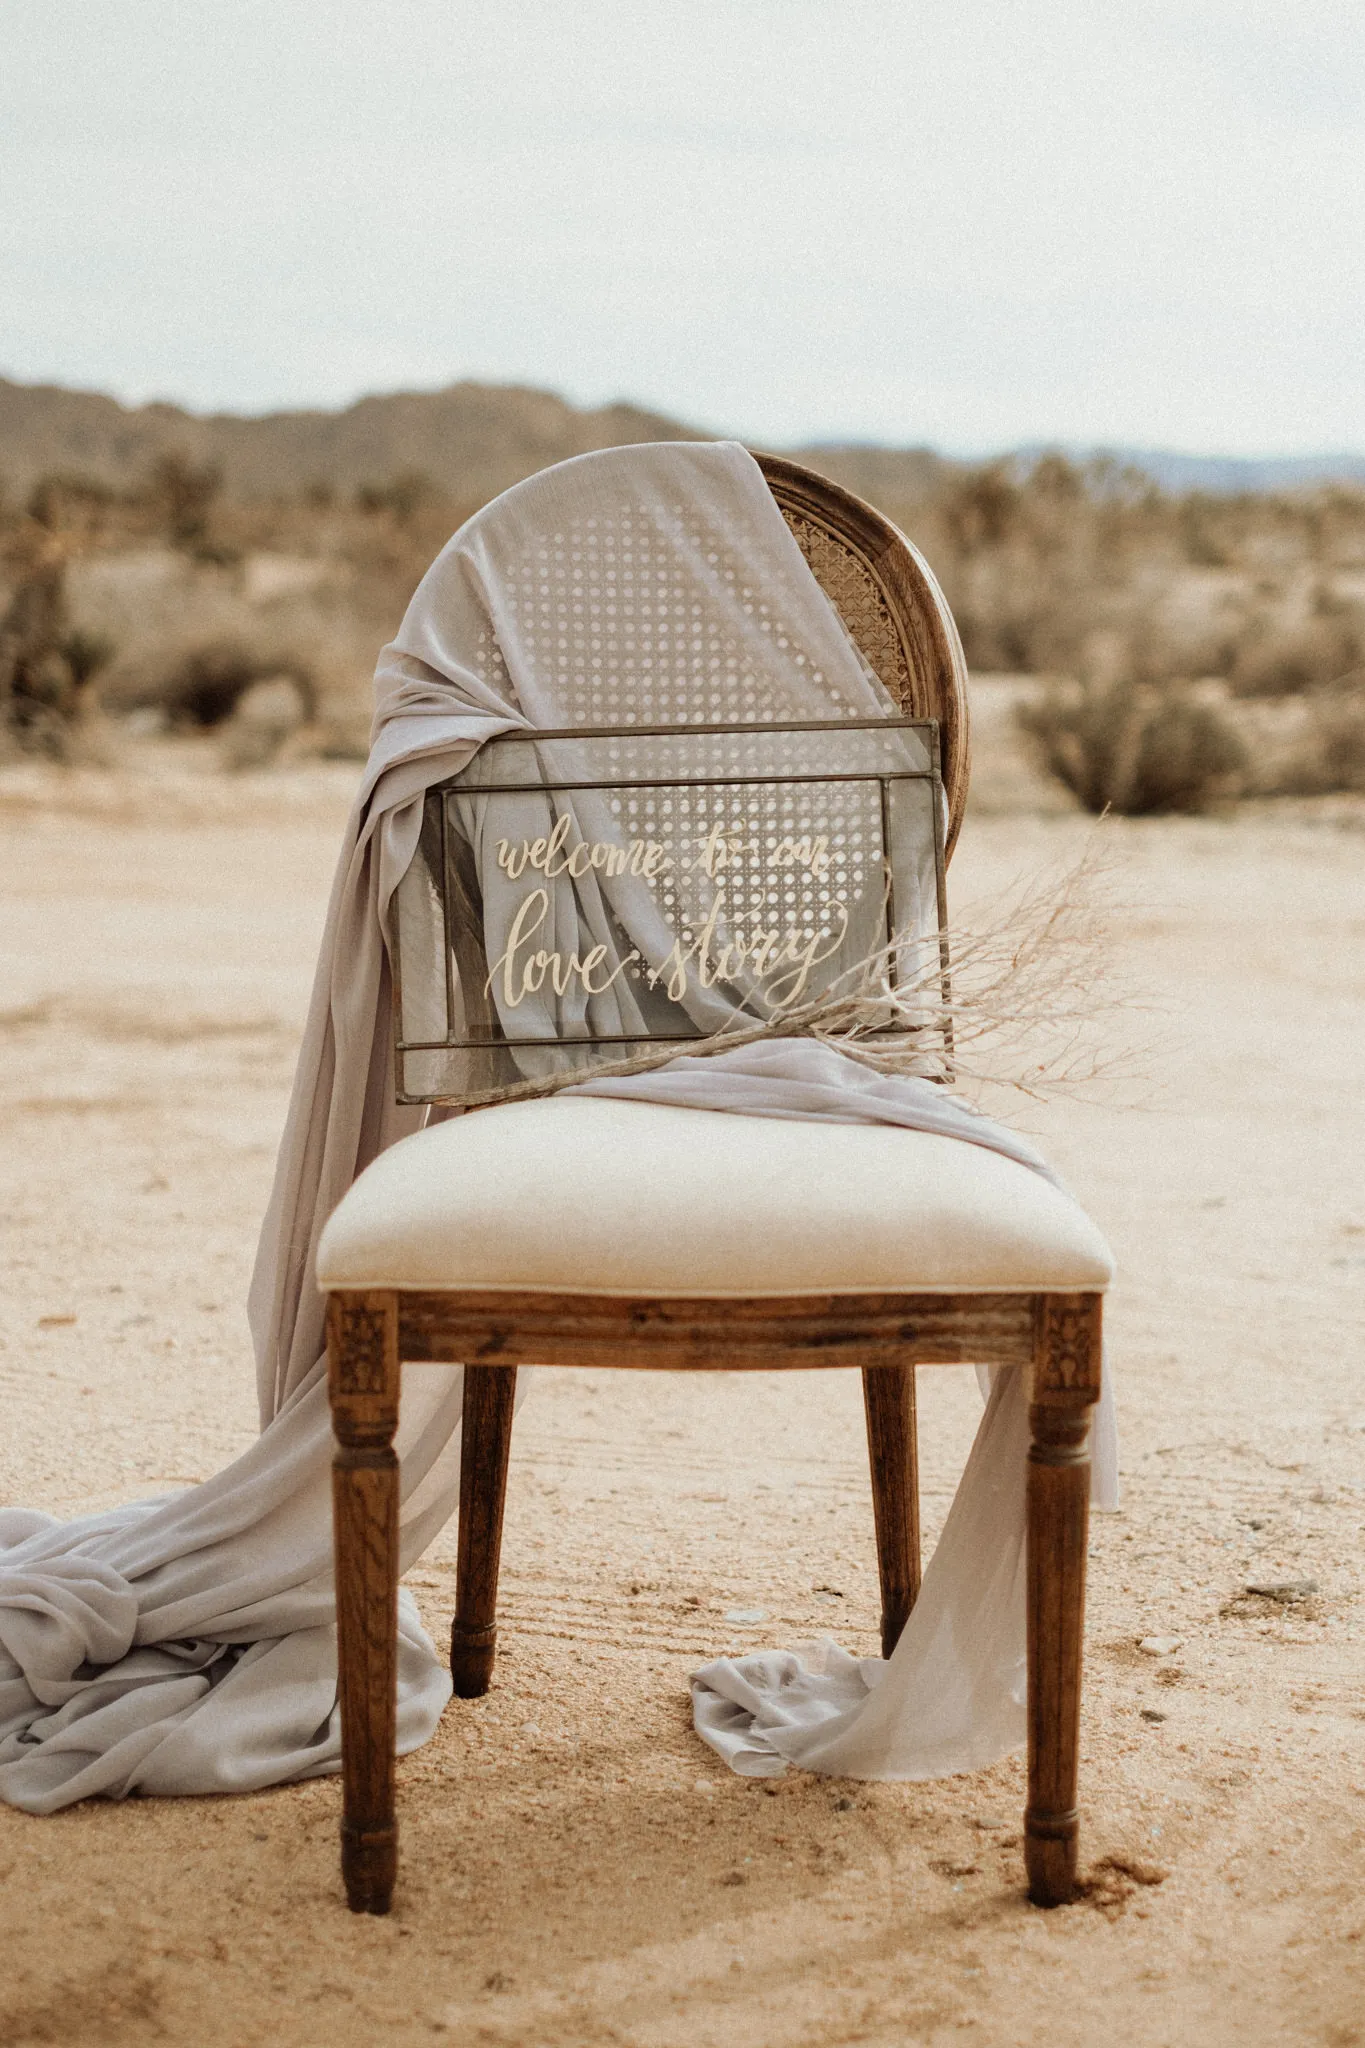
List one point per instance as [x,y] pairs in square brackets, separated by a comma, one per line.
[577,1868]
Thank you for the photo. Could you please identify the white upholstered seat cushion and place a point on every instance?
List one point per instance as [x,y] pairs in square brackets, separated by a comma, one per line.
[589,1195]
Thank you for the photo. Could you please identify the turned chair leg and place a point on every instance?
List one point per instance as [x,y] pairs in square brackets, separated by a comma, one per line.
[893,1453]
[363,1380]
[1066,1379]
[485,1441]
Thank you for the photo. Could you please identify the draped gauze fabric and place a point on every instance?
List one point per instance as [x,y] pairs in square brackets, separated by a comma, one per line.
[952,1696]
[187,1644]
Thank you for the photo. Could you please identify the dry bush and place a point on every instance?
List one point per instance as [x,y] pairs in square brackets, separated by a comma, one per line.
[181,495]
[402,496]
[1265,591]
[1137,749]
[1032,563]
[203,689]
[1046,562]
[46,669]
[1280,658]
[1340,720]
[1327,756]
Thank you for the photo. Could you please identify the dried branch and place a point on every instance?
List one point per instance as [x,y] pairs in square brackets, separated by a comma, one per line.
[1013,1001]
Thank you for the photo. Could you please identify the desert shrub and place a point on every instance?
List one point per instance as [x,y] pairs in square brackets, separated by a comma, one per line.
[401,496]
[1137,748]
[1199,521]
[1340,719]
[202,689]
[86,654]
[64,502]
[182,494]
[45,669]
[1329,756]
[1036,559]
[979,507]
[1312,655]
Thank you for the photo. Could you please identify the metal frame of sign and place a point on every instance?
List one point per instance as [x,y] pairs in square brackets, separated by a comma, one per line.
[436,795]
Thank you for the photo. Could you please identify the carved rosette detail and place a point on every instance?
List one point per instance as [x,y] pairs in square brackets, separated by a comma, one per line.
[1067,1353]
[360,1333]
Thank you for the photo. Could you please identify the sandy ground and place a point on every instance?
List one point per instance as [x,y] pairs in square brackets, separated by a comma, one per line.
[577,1869]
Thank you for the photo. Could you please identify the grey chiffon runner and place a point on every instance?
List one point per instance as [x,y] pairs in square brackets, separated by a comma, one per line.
[187,1644]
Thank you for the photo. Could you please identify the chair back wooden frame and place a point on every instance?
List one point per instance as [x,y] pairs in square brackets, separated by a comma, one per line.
[892,609]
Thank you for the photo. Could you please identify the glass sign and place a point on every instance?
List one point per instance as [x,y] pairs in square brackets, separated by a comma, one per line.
[578,897]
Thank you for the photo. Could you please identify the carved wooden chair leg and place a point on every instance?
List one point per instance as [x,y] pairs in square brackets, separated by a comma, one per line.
[1065,1385]
[893,1453]
[363,1379]
[485,1441]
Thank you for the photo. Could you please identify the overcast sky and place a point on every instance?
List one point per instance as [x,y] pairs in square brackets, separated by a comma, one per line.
[951,221]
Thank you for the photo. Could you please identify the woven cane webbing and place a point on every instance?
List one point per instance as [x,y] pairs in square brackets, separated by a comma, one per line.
[887,598]
[859,600]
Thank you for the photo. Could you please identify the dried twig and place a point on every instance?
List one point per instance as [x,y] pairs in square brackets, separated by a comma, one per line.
[1014,1000]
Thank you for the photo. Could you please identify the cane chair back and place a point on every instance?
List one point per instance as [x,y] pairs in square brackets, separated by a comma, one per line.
[678,752]
[891,606]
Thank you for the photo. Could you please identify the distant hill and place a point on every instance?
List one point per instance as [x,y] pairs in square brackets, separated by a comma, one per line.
[1221,475]
[897,477]
[473,440]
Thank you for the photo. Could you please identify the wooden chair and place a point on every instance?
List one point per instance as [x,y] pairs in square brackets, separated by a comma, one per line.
[1031,1298]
